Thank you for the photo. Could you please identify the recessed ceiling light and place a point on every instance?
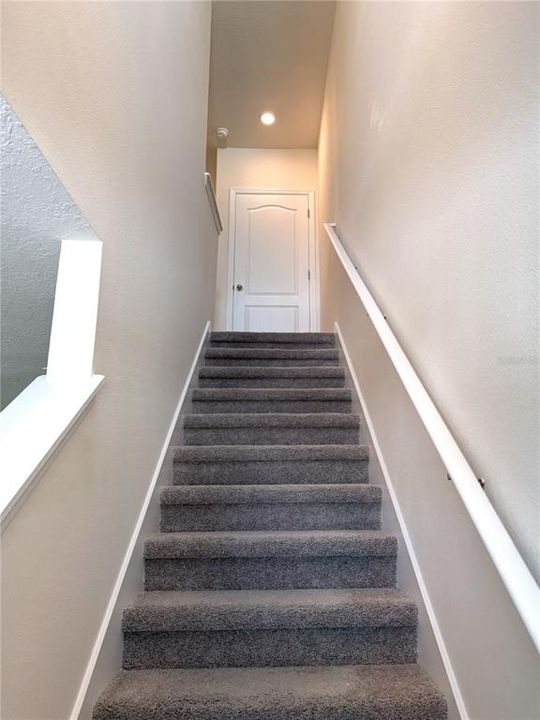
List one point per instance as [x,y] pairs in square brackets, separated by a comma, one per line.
[268,118]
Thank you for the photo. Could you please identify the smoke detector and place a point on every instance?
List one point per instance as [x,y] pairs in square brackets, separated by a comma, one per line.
[222,135]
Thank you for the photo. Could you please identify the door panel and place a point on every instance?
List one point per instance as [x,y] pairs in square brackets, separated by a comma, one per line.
[272,251]
[265,318]
[271,263]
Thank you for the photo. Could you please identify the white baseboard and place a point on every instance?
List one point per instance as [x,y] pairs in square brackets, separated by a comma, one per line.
[452,680]
[134,540]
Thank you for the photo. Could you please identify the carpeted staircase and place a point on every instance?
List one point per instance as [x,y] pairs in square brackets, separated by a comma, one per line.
[270,592]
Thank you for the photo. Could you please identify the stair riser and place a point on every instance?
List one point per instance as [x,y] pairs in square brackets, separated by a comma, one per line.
[269,382]
[272,345]
[270,473]
[270,648]
[314,339]
[269,406]
[266,362]
[269,573]
[271,436]
[287,516]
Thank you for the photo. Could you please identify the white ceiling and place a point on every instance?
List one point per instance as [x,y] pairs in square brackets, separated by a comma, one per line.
[269,55]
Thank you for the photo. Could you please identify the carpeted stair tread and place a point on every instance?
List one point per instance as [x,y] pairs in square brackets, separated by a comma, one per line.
[188,508]
[162,611]
[272,420]
[265,453]
[271,376]
[219,464]
[252,355]
[267,494]
[362,692]
[256,371]
[271,428]
[276,394]
[262,400]
[271,353]
[315,339]
[271,544]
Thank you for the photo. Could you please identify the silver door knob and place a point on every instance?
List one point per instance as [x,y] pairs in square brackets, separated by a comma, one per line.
[239,287]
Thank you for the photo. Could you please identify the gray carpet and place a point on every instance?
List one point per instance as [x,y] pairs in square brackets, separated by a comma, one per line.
[266,400]
[254,376]
[270,591]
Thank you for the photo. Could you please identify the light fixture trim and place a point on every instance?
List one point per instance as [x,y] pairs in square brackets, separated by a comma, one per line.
[268,118]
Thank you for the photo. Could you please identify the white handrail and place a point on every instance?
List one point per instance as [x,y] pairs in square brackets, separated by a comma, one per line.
[209,187]
[511,567]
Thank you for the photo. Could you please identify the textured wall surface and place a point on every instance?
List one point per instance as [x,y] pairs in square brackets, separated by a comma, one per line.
[115,95]
[429,165]
[37,212]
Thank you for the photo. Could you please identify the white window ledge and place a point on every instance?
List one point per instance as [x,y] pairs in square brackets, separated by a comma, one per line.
[34,424]
[32,427]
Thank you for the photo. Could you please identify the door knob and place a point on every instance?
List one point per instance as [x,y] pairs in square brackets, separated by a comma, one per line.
[239,287]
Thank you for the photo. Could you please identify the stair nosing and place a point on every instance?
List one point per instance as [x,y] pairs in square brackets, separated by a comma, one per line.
[169,610]
[201,421]
[317,338]
[268,543]
[273,453]
[338,394]
[279,353]
[244,371]
[271,494]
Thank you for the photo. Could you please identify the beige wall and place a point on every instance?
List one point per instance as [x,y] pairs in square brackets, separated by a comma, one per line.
[471,639]
[428,164]
[115,96]
[211,162]
[256,168]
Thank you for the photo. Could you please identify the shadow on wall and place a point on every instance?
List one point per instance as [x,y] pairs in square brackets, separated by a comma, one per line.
[37,213]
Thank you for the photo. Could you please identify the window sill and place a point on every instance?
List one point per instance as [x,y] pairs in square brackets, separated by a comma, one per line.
[32,427]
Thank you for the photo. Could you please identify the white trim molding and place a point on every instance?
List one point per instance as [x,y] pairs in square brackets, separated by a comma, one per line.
[313,250]
[211,195]
[511,567]
[441,645]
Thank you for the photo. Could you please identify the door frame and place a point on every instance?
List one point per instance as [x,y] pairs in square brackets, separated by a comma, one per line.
[313,250]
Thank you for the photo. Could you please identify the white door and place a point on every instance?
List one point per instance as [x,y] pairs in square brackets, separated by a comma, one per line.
[271,262]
